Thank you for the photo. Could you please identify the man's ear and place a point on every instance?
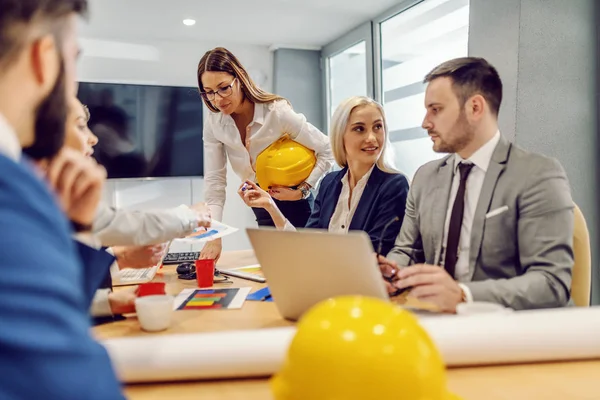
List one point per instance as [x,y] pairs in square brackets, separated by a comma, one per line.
[475,107]
[45,62]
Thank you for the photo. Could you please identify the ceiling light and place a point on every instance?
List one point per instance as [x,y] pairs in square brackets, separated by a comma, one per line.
[189,22]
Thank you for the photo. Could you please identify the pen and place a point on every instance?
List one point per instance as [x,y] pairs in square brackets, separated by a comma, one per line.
[244,187]
[267,297]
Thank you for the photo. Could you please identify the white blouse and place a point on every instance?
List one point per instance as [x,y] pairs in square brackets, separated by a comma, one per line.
[346,206]
[272,120]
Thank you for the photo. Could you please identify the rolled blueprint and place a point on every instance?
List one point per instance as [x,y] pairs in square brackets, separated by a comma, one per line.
[498,338]
[234,354]
[517,337]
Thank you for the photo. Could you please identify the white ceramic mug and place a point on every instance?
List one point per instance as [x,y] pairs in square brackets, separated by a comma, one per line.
[154,312]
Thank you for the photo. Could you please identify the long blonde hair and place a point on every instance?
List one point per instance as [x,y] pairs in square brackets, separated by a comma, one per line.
[339,123]
[220,59]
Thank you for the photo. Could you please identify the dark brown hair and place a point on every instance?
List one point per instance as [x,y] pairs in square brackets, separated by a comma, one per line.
[18,16]
[222,60]
[471,76]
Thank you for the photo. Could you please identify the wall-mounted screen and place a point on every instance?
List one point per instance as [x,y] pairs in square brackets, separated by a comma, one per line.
[145,131]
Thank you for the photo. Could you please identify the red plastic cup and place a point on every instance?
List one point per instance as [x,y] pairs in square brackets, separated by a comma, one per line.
[205,272]
[150,289]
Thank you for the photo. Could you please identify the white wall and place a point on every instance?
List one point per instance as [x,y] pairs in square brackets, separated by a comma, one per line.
[297,77]
[171,64]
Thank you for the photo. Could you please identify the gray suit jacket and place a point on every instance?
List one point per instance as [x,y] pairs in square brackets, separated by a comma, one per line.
[140,228]
[521,258]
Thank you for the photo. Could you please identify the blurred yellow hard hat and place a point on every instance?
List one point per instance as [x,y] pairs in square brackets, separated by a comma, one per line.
[284,163]
[357,348]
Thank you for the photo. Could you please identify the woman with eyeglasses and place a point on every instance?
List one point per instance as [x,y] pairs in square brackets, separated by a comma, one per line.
[244,121]
[368,194]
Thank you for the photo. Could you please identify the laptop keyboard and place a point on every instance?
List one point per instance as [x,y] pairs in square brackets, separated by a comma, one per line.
[137,274]
[178,258]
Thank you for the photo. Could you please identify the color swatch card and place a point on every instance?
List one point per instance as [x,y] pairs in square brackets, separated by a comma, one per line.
[206,299]
[215,231]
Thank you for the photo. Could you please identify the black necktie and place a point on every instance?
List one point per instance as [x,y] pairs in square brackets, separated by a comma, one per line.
[456,218]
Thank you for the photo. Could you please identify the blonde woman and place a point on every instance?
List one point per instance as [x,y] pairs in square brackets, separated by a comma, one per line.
[367,194]
[244,121]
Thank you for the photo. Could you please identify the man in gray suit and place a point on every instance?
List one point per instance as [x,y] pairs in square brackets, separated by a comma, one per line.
[489,222]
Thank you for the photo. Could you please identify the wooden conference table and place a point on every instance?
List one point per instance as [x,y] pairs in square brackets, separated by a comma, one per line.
[547,381]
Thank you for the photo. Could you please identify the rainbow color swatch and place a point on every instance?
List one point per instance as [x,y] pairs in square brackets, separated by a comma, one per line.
[206,299]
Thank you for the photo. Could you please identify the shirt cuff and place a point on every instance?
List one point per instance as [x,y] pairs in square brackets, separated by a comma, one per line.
[89,239]
[467,291]
[313,179]
[216,212]
[100,304]
[114,267]
[188,217]
[289,227]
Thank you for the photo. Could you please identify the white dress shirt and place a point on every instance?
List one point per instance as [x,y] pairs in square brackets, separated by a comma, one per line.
[117,227]
[346,206]
[481,160]
[222,141]
[9,142]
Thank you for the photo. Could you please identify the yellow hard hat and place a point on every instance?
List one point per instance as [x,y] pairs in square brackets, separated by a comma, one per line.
[284,163]
[357,348]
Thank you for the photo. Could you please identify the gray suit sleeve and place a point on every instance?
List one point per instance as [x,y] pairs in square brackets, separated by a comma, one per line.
[408,246]
[140,228]
[545,238]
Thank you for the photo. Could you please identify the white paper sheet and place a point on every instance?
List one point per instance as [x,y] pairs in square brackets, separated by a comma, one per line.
[216,230]
[529,336]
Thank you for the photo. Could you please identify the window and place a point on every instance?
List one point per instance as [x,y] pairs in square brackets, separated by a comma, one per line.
[348,67]
[412,43]
[347,75]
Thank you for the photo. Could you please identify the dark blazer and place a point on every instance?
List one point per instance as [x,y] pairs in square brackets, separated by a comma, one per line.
[383,199]
[47,285]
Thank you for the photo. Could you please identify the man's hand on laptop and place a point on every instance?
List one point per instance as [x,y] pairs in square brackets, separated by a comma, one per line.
[203,214]
[139,256]
[78,181]
[389,271]
[431,284]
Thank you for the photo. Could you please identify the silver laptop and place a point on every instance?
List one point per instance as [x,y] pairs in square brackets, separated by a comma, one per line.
[303,268]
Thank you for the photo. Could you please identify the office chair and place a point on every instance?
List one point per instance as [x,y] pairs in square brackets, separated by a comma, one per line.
[582,268]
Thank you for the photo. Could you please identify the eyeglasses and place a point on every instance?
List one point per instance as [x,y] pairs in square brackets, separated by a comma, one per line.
[223,92]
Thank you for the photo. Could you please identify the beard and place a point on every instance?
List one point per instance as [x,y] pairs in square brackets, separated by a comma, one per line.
[50,122]
[461,134]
